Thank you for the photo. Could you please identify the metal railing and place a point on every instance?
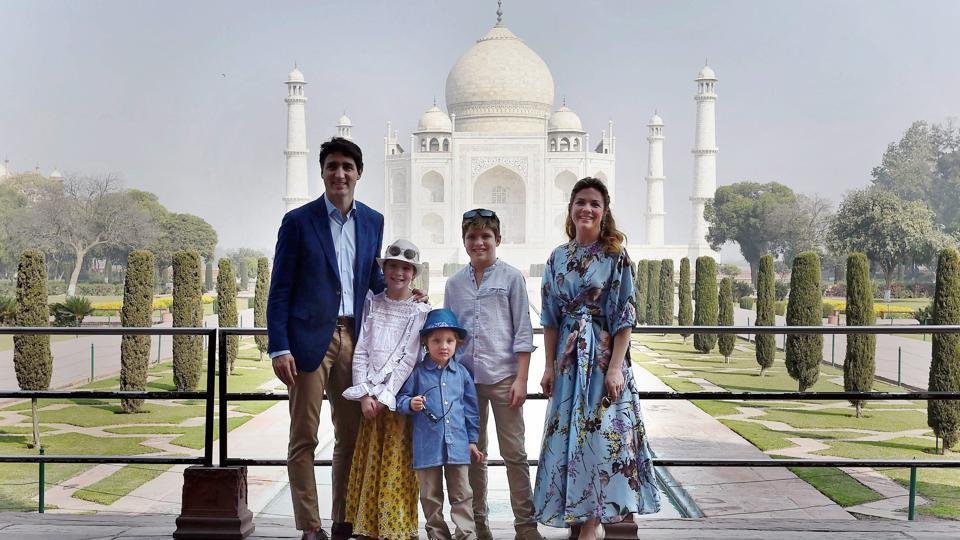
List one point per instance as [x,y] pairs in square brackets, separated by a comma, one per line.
[207,395]
[218,367]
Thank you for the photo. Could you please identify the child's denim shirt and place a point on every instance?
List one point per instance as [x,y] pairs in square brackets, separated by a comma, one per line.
[452,397]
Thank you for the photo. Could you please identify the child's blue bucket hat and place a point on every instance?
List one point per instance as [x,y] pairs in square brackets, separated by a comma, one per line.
[442,318]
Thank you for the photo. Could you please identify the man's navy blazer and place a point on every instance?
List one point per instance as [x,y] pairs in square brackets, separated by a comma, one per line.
[305,284]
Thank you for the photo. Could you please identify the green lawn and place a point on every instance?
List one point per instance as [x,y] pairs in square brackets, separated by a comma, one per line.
[60,418]
[838,485]
[839,425]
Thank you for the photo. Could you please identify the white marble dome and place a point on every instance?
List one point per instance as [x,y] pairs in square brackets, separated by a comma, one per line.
[564,119]
[655,120]
[500,85]
[435,120]
[706,73]
[344,121]
[295,76]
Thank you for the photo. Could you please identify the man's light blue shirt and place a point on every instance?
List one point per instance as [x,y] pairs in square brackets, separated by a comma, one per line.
[343,229]
[452,397]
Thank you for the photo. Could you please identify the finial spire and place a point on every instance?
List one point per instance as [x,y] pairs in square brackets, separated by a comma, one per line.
[499,12]
[564,100]
[434,101]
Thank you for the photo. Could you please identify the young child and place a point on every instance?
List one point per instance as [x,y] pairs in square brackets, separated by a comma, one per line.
[491,297]
[382,490]
[441,397]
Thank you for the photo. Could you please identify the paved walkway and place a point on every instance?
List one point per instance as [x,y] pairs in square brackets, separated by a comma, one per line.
[19,526]
[915,368]
[680,429]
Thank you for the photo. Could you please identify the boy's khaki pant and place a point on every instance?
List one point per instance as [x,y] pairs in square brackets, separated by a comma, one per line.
[334,375]
[510,435]
[461,501]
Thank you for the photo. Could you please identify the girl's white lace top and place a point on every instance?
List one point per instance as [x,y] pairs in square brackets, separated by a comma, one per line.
[387,349]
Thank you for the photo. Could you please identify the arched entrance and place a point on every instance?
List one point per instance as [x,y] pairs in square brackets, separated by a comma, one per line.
[502,190]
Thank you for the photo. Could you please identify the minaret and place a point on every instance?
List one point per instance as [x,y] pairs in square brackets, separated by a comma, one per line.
[344,125]
[655,178]
[704,153]
[297,193]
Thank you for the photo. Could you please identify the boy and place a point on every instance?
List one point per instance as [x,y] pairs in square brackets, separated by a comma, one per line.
[490,296]
[441,397]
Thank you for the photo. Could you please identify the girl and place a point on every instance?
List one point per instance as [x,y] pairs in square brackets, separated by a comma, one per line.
[382,491]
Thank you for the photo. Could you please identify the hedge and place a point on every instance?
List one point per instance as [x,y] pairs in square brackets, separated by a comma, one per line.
[137,308]
[685,297]
[725,342]
[641,281]
[705,300]
[227,307]
[804,308]
[666,293]
[261,290]
[766,346]
[859,362]
[944,416]
[187,311]
[32,360]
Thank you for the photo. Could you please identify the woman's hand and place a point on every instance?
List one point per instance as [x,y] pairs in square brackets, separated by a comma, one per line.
[546,382]
[370,407]
[613,382]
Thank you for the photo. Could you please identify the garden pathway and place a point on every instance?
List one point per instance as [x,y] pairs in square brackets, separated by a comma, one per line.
[915,366]
[894,495]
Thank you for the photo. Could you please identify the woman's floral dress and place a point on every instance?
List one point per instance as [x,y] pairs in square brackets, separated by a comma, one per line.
[594,462]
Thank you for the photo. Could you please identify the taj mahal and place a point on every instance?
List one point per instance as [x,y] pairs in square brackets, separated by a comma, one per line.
[503,144]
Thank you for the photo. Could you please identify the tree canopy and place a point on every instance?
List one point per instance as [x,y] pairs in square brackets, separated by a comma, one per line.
[745,213]
[887,228]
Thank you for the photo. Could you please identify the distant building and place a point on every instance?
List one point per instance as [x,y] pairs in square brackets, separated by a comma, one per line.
[502,145]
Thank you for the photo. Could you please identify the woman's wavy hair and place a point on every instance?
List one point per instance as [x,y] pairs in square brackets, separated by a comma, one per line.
[611,238]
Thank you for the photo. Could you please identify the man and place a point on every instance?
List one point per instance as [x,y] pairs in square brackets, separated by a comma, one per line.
[324,264]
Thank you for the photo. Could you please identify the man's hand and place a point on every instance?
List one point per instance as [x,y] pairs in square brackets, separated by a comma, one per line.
[518,393]
[420,296]
[370,407]
[418,403]
[285,368]
[475,454]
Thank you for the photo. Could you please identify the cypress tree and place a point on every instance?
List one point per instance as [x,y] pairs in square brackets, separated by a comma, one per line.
[859,362]
[187,312]
[805,308]
[944,416]
[31,354]
[208,275]
[666,292]
[685,311]
[705,302]
[227,307]
[640,290]
[260,302]
[243,273]
[725,342]
[136,311]
[653,292]
[766,346]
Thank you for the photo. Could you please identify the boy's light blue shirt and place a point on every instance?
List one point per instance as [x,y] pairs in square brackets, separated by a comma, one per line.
[450,395]
[497,318]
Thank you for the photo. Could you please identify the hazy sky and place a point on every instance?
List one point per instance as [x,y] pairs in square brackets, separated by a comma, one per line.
[185,99]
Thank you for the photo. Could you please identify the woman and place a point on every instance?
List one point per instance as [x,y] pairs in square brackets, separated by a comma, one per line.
[594,463]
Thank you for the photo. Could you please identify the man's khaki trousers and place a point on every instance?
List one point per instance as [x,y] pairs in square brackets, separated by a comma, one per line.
[334,375]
